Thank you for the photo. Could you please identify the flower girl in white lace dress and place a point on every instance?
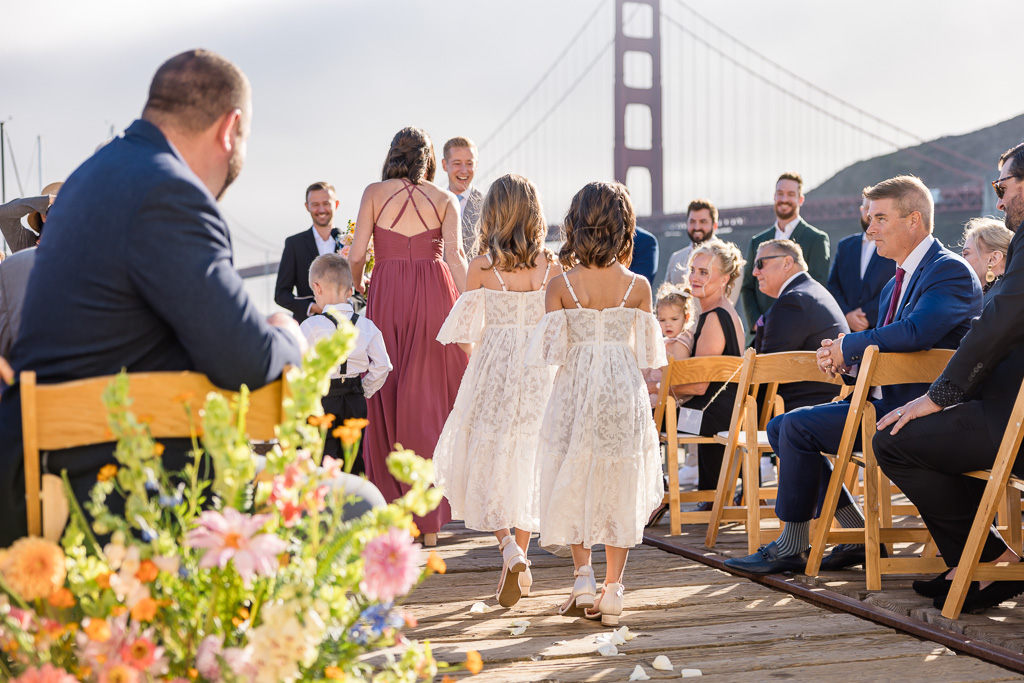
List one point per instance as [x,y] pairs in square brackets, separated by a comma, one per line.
[486,457]
[600,458]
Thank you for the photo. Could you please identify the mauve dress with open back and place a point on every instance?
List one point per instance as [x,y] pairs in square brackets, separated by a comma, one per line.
[411,294]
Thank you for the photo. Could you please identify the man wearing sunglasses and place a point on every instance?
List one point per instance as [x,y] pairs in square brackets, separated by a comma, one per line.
[789,197]
[803,314]
[925,453]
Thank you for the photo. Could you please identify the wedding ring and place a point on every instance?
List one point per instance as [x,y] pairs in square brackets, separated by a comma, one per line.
[899,413]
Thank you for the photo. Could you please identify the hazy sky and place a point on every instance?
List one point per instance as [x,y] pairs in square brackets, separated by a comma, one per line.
[334,80]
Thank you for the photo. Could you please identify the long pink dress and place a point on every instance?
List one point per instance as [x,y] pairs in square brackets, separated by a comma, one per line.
[411,294]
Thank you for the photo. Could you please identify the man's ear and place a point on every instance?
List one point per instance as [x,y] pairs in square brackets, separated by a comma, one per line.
[229,129]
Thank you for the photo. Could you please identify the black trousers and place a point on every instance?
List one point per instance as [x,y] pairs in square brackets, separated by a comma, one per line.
[717,415]
[345,401]
[927,458]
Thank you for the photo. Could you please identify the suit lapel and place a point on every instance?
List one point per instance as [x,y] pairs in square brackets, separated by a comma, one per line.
[916,277]
[310,242]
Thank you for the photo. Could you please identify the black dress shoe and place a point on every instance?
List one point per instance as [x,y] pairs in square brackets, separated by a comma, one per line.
[846,555]
[704,506]
[767,561]
[935,587]
[657,515]
[979,600]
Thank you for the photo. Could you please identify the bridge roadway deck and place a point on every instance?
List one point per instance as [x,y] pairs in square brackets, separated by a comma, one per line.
[728,627]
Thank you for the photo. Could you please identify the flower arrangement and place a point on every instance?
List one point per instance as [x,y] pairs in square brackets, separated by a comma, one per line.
[238,579]
[347,237]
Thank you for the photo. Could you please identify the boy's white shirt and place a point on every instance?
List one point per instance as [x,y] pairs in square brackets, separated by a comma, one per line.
[369,356]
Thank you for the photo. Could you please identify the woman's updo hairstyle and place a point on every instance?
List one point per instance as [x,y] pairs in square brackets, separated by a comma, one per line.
[599,227]
[411,156]
[728,257]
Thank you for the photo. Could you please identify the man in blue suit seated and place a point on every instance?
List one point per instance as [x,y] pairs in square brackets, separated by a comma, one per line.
[645,255]
[858,275]
[929,304]
[135,270]
[803,314]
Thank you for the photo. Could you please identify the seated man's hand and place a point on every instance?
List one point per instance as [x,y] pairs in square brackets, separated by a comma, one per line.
[919,407]
[286,322]
[857,320]
[830,357]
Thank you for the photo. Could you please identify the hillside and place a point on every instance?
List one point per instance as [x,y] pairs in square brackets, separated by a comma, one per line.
[956,156]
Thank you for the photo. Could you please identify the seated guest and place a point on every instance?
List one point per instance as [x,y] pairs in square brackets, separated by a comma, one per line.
[986,243]
[715,266]
[14,278]
[19,237]
[136,272]
[803,314]
[957,425]
[367,366]
[929,304]
[858,275]
[645,255]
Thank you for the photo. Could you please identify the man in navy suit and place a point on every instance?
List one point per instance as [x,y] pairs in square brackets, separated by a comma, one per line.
[858,275]
[292,289]
[135,270]
[928,304]
[926,454]
[803,314]
[645,255]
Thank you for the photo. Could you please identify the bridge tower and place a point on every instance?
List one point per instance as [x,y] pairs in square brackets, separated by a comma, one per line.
[648,98]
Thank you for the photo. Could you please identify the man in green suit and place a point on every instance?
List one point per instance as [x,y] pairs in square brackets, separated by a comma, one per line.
[789,197]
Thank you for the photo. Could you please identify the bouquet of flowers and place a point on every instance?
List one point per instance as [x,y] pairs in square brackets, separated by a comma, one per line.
[347,237]
[242,579]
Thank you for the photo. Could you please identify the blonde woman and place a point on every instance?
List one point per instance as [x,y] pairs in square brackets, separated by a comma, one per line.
[486,457]
[986,241]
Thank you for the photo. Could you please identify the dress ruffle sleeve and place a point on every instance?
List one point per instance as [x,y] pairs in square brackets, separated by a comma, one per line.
[465,322]
[648,344]
[549,343]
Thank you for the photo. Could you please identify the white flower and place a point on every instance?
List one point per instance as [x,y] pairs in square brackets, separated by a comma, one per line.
[115,553]
[167,564]
[662,663]
[639,674]
[282,642]
[607,650]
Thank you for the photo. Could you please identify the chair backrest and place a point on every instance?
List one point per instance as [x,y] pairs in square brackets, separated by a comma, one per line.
[712,369]
[70,414]
[787,367]
[918,367]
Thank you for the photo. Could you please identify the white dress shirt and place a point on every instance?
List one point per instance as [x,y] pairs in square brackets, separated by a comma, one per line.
[369,357]
[786,231]
[326,246]
[867,250]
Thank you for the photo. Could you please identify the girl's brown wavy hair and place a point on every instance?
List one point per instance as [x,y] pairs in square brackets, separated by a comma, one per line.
[512,226]
[599,227]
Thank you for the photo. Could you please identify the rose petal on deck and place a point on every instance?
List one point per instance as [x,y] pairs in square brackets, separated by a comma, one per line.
[662,663]
[639,674]
[607,650]
[691,673]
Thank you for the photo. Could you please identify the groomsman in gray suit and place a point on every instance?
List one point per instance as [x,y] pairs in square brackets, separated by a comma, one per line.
[459,163]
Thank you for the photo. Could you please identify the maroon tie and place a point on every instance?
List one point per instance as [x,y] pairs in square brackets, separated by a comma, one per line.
[895,296]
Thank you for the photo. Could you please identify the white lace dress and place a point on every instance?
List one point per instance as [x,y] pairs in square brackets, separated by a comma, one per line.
[600,458]
[486,457]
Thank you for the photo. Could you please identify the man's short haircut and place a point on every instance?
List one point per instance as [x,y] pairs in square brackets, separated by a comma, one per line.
[698,204]
[787,248]
[331,270]
[192,90]
[321,185]
[909,194]
[458,142]
[793,175]
[1014,155]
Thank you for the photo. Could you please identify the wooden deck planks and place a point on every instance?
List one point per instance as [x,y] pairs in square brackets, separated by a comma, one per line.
[730,628]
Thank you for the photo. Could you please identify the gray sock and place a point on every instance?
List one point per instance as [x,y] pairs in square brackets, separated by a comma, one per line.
[795,538]
[850,517]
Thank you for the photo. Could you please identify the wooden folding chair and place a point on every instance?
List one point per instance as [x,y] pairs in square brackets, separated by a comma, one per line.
[876,370]
[1002,484]
[70,414]
[770,371]
[713,369]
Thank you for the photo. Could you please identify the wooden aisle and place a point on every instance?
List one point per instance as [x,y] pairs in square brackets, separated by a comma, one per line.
[729,628]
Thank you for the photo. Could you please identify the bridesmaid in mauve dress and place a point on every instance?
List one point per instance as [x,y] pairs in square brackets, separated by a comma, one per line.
[419,270]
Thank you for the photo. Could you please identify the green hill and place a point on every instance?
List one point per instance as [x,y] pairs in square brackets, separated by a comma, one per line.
[949,161]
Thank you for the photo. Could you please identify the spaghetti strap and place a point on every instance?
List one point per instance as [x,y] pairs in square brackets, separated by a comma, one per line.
[497,274]
[568,284]
[628,290]
[410,188]
[545,283]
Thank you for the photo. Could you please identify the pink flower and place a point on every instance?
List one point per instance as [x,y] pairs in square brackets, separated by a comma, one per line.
[206,658]
[345,250]
[332,468]
[229,537]
[142,654]
[389,565]
[48,674]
